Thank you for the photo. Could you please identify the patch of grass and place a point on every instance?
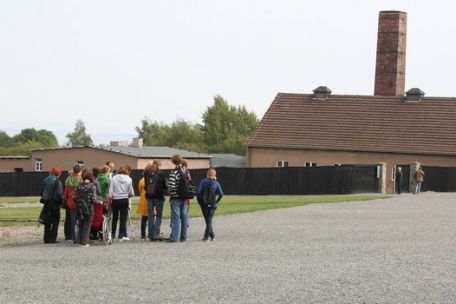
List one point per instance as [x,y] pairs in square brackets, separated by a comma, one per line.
[229,205]
[18,200]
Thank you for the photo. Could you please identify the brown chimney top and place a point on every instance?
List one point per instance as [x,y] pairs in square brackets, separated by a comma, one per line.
[390,63]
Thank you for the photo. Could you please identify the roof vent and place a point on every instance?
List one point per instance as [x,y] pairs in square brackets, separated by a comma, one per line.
[321,93]
[414,94]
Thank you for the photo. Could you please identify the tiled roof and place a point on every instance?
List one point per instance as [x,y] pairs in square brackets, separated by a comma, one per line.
[155,151]
[227,160]
[359,123]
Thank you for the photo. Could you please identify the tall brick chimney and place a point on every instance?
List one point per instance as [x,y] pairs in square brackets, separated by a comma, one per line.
[390,63]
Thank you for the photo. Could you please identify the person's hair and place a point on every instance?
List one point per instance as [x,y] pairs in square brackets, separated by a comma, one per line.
[77,169]
[88,174]
[184,163]
[212,174]
[56,170]
[95,171]
[157,162]
[176,159]
[148,169]
[104,169]
[124,169]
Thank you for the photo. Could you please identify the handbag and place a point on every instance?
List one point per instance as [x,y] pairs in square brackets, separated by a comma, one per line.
[45,216]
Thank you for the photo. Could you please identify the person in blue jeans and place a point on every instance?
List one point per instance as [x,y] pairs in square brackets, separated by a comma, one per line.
[209,194]
[179,208]
[155,187]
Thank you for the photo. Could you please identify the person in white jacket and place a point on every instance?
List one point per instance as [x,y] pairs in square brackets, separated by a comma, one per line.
[120,190]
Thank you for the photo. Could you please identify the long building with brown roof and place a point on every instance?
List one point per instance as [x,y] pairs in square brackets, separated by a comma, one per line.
[323,129]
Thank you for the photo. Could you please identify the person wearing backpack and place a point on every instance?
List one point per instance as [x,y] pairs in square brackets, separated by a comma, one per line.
[71,182]
[85,197]
[51,197]
[177,201]
[209,194]
[155,187]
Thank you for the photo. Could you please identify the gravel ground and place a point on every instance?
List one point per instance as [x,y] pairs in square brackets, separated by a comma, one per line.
[400,250]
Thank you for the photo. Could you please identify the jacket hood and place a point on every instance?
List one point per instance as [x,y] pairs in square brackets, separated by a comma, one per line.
[122,178]
[73,180]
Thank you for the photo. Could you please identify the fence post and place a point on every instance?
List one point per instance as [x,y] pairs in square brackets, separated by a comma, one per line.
[413,167]
[381,175]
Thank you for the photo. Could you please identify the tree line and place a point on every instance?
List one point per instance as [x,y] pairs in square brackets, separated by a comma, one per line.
[224,129]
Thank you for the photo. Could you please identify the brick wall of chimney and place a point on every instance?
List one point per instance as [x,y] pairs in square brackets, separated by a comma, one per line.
[390,63]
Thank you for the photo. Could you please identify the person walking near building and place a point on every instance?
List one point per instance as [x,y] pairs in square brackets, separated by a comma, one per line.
[120,190]
[399,178]
[209,194]
[72,181]
[179,208]
[155,187]
[85,197]
[51,197]
[418,176]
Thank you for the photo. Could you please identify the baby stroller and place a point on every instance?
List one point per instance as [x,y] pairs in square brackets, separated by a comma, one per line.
[101,224]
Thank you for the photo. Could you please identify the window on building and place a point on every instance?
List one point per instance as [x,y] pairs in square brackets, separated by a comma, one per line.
[18,169]
[38,164]
[282,163]
[337,165]
[311,164]
[80,163]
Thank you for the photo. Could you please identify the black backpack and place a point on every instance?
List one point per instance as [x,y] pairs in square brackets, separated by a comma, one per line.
[186,188]
[209,195]
[84,198]
[151,186]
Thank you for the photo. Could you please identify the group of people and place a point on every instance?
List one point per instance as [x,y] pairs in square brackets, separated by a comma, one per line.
[87,194]
[418,178]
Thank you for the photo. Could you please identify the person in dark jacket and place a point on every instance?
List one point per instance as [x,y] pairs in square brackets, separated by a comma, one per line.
[399,179]
[155,187]
[51,197]
[177,201]
[85,192]
[209,194]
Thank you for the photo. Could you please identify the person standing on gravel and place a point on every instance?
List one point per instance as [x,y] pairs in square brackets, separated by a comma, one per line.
[179,208]
[399,180]
[71,183]
[120,190]
[209,194]
[51,197]
[155,188]
[418,176]
[85,197]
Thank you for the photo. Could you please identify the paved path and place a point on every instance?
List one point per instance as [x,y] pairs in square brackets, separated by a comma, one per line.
[400,250]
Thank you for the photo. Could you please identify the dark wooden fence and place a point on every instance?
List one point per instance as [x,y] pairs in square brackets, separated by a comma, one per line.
[439,179]
[242,181]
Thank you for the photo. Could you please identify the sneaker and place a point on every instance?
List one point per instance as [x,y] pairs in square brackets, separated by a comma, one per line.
[84,246]
[170,241]
[205,239]
[125,238]
[213,239]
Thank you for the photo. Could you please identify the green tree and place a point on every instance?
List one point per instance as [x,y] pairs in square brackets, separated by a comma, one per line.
[180,134]
[226,128]
[5,140]
[46,138]
[79,137]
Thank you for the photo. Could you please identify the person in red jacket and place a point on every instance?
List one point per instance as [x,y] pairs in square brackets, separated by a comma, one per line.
[71,183]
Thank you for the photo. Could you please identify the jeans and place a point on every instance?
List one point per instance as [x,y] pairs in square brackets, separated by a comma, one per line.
[418,187]
[73,213]
[155,222]
[208,213]
[143,226]
[67,225]
[119,207]
[179,220]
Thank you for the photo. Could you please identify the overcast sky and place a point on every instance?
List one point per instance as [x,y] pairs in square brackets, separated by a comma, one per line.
[112,63]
